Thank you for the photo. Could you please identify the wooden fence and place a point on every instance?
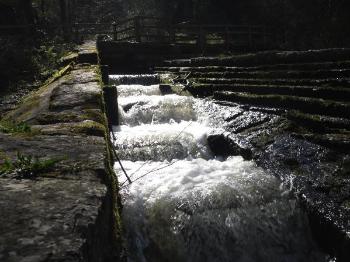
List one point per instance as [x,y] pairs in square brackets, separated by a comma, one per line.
[150,29]
[144,29]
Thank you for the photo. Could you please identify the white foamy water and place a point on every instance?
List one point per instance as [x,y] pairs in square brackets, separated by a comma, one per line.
[162,141]
[186,205]
[138,90]
[211,210]
[143,109]
[198,176]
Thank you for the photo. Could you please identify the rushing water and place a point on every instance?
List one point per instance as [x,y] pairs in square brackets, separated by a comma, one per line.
[187,205]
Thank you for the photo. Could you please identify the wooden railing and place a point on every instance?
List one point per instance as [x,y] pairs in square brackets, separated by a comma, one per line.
[151,29]
[227,35]
[141,29]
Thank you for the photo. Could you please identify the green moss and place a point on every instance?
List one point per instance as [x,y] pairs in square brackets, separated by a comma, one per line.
[69,57]
[111,178]
[58,74]
[95,115]
[53,118]
[89,128]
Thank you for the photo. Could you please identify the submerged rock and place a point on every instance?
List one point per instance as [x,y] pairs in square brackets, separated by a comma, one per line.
[226,145]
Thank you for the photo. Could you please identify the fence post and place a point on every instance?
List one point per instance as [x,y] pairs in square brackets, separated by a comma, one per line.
[105,74]
[172,34]
[227,38]
[201,40]
[264,38]
[30,32]
[160,25]
[137,26]
[76,33]
[115,35]
[250,38]
[110,95]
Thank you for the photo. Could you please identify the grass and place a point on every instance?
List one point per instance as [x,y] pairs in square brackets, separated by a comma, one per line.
[11,127]
[27,166]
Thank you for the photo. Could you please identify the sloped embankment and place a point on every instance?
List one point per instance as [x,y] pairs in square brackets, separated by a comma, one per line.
[58,195]
[292,116]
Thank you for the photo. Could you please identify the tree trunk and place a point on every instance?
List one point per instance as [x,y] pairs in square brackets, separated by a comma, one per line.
[64,19]
[26,11]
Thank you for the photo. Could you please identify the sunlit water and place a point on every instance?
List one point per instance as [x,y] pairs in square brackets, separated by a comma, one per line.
[187,205]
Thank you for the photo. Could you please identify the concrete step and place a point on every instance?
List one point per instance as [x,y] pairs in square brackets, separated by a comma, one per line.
[177,62]
[337,141]
[268,58]
[305,105]
[318,123]
[144,79]
[331,93]
[344,82]
[288,67]
[317,74]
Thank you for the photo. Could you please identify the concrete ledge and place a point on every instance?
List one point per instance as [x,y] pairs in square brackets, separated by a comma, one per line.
[69,212]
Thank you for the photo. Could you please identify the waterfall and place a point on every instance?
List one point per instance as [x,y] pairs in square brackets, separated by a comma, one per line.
[185,203]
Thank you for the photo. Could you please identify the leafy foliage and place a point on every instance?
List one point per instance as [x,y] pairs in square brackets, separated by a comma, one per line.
[26,167]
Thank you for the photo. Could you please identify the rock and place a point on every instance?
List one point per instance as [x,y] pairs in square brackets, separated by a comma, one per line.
[70,96]
[225,145]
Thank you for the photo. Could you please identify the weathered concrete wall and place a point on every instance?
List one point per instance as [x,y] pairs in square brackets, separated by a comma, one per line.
[134,57]
[291,116]
[69,212]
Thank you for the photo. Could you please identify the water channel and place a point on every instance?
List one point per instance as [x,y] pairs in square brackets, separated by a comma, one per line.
[186,204]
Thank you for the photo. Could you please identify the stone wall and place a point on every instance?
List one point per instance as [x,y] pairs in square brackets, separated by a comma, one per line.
[67,211]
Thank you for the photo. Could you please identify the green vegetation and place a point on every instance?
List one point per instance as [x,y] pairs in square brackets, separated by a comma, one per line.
[58,74]
[27,167]
[13,127]
[30,62]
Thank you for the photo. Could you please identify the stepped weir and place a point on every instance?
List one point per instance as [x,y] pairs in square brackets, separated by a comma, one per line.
[285,113]
[158,153]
